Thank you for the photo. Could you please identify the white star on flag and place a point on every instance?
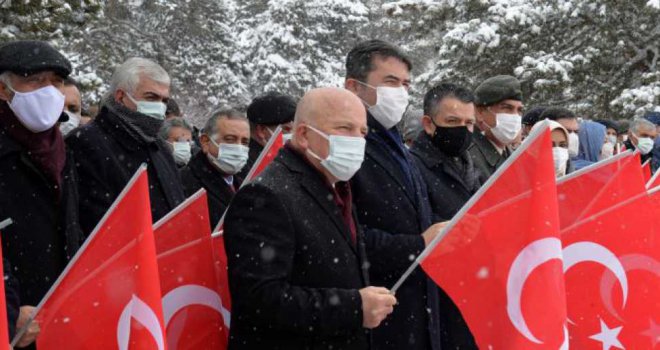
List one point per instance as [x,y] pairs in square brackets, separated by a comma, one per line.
[608,336]
[653,332]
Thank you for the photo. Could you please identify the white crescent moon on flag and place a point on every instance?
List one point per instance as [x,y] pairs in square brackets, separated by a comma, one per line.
[142,313]
[592,252]
[532,256]
[631,262]
[193,294]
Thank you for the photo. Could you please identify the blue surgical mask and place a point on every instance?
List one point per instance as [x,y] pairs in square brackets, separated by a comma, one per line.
[152,109]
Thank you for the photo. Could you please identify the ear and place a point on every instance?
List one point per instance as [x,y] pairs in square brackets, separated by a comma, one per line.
[351,85]
[119,95]
[205,142]
[5,93]
[300,132]
[427,123]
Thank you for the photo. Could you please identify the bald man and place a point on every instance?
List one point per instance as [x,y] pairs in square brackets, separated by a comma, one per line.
[297,266]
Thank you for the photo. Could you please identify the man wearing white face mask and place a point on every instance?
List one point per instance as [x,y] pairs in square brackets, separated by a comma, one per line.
[38,183]
[72,106]
[124,135]
[224,153]
[296,258]
[641,136]
[392,202]
[499,109]
[178,134]
[266,112]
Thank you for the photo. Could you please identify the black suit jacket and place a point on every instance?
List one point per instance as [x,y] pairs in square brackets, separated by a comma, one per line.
[200,173]
[294,271]
[450,186]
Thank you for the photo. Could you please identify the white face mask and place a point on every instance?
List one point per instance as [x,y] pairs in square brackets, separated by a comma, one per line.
[182,152]
[607,150]
[645,145]
[573,144]
[38,110]
[391,103]
[286,137]
[69,125]
[153,109]
[560,158]
[507,128]
[612,139]
[231,157]
[345,154]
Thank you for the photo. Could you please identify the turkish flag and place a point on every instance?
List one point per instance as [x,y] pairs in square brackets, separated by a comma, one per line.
[612,271]
[654,181]
[192,307]
[275,143]
[4,327]
[109,294]
[598,187]
[646,169]
[500,260]
[220,258]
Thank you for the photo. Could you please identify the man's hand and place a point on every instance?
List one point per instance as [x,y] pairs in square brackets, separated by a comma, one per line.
[33,330]
[432,232]
[377,303]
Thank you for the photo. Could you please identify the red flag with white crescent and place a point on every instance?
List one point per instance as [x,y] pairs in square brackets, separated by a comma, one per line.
[195,314]
[109,294]
[612,269]
[500,259]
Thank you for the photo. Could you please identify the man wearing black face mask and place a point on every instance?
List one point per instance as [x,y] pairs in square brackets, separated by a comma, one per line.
[441,150]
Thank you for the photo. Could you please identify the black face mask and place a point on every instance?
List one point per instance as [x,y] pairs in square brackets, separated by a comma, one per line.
[451,141]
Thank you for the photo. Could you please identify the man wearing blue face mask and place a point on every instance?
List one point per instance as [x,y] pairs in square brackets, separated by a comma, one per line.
[499,109]
[224,140]
[392,203]
[298,272]
[37,177]
[124,135]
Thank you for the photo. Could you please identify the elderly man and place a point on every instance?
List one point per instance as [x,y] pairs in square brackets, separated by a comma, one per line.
[37,178]
[178,133]
[441,150]
[300,281]
[110,149]
[391,200]
[266,113]
[641,136]
[499,110]
[224,153]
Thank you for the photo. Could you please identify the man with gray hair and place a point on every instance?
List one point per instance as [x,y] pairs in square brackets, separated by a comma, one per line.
[641,136]
[225,139]
[179,135]
[124,135]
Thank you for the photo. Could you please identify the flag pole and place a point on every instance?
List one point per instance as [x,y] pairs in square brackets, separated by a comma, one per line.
[4,223]
[122,194]
[248,177]
[470,203]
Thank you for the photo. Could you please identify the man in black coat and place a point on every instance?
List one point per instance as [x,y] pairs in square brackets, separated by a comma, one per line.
[441,150]
[391,200]
[297,266]
[499,110]
[266,113]
[110,149]
[38,188]
[224,153]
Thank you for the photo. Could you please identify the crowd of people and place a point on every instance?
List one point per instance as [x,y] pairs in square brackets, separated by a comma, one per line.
[355,194]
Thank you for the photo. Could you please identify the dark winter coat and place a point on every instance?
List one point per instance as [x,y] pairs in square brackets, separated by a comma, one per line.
[45,232]
[485,157]
[107,153]
[450,181]
[200,173]
[294,271]
[394,213]
[12,298]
